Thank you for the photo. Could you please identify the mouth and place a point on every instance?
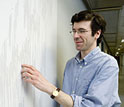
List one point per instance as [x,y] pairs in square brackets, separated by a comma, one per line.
[78,42]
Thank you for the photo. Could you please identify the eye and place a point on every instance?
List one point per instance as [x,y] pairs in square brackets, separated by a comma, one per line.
[74,31]
[82,31]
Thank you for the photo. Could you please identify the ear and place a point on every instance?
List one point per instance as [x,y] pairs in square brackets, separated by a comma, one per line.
[97,34]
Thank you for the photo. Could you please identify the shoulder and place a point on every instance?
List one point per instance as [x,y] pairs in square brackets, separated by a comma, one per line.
[107,64]
[108,59]
[102,58]
[70,61]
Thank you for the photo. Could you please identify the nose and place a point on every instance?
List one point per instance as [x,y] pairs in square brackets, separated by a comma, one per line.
[76,35]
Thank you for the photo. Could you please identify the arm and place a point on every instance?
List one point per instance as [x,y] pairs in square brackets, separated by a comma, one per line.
[33,76]
[103,90]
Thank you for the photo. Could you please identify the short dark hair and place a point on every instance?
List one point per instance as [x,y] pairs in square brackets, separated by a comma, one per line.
[97,21]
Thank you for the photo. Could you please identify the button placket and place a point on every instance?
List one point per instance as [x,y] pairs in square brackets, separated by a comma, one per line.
[80,66]
[73,92]
[85,63]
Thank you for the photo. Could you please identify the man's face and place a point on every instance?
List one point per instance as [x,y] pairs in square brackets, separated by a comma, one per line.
[82,34]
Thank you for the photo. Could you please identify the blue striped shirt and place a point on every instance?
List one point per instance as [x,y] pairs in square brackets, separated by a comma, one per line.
[93,81]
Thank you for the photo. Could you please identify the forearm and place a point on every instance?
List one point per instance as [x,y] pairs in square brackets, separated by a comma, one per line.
[63,98]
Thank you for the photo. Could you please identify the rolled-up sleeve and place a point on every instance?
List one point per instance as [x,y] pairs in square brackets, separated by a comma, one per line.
[103,90]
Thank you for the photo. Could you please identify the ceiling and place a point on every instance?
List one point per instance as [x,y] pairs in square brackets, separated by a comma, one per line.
[113,12]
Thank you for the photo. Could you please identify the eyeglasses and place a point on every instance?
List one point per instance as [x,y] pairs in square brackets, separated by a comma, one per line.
[79,32]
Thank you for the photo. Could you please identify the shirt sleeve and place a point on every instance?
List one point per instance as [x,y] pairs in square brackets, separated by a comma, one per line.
[103,90]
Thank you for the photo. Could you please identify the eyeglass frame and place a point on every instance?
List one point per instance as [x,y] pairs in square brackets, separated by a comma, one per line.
[80,31]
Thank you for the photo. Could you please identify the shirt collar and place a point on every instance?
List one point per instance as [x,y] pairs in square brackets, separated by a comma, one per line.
[89,56]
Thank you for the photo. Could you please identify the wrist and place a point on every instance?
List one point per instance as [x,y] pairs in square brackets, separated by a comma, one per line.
[51,89]
[55,93]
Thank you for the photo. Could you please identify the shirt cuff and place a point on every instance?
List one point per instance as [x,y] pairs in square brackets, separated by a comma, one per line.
[77,100]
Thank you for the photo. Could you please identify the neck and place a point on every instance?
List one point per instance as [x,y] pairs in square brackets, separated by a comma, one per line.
[86,52]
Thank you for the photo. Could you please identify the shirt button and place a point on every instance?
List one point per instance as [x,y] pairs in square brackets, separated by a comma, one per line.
[76,79]
[80,66]
[73,92]
[85,63]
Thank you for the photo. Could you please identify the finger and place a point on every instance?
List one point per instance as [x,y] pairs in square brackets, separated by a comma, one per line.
[27,70]
[29,66]
[29,76]
[29,80]
[25,77]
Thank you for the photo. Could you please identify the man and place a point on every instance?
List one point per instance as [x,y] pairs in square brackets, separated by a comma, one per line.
[90,78]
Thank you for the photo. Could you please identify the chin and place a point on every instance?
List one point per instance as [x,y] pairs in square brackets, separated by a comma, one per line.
[81,48]
[78,48]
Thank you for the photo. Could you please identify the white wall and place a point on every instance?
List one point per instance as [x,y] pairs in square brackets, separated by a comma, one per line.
[28,34]
[66,48]
[34,32]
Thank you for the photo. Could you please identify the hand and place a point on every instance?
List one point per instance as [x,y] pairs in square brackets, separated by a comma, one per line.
[33,76]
